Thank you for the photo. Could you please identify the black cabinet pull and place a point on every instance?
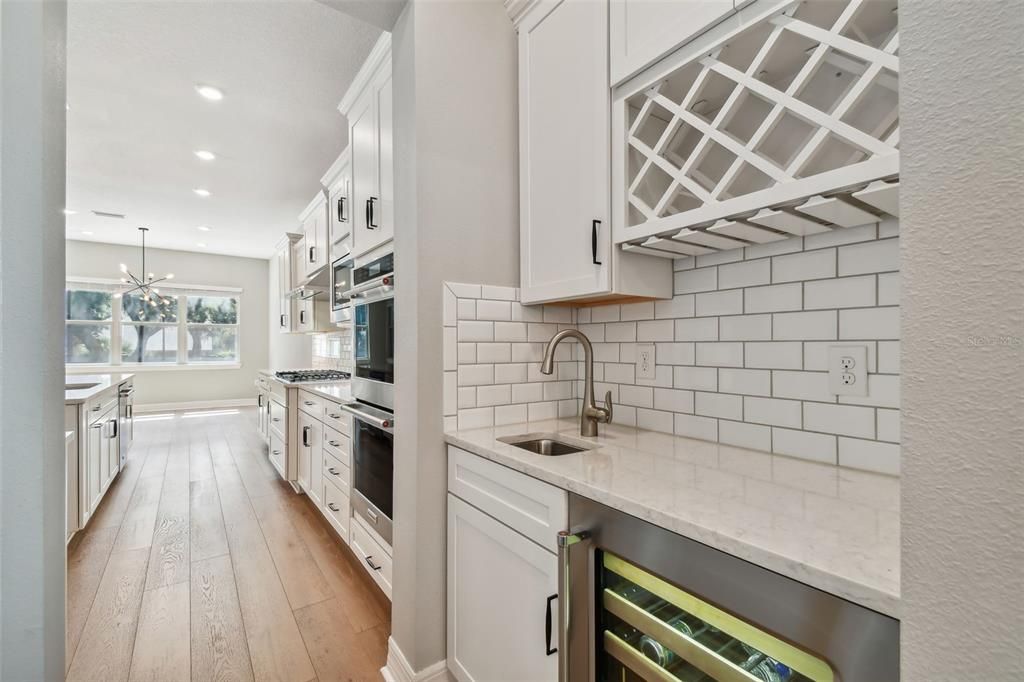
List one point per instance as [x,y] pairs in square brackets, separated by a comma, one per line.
[302,317]
[311,258]
[593,241]
[282,320]
[547,627]
[376,568]
[370,224]
[341,210]
[305,436]
[117,430]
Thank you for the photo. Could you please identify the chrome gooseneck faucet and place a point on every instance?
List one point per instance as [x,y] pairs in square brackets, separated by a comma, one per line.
[591,414]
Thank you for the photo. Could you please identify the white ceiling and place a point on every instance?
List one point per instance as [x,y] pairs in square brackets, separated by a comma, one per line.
[134,117]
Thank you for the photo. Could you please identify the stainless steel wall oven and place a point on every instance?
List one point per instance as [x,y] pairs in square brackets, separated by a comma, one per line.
[373,332]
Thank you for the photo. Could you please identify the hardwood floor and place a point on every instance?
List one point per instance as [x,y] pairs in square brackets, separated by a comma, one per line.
[202,564]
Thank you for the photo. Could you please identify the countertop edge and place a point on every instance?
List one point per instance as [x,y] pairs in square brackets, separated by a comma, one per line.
[85,394]
[864,595]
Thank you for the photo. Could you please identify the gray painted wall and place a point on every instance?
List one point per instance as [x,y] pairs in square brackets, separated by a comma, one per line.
[32,151]
[94,259]
[456,206]
[963,330]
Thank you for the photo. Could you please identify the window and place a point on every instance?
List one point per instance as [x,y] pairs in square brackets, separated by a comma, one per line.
[87,331]
[192,327]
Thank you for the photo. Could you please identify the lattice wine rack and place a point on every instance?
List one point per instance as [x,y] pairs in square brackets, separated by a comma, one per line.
[789,125]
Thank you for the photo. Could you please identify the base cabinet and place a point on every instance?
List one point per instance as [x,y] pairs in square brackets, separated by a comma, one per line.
[502,599]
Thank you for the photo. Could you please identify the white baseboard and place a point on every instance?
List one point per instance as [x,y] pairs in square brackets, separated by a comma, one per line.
[194,405]
[397,668]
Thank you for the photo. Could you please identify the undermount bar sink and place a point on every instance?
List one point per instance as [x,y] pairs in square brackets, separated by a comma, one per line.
[547,444]
[79,387]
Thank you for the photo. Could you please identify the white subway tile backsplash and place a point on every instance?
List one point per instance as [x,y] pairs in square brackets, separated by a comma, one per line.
[772,411]
[655,330]
[877,256]
[804,326]
[692,281]
[720,354]
[697,329]
[869,323]
[740,351]
[745,328]
[845,292]
[637,311]
[696,378]
[803,266]
[620,331]
[774,355]
[889,227]
[674,353]
[677,306]
[745,381]
[718,405]
[840,419]
[476,331]
[775,298]
[720,303]
[816,447]
[745,274]
[869,455]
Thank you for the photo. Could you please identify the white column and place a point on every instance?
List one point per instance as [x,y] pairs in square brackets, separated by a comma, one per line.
[32,558]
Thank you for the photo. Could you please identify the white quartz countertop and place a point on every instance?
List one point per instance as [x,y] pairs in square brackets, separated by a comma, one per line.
[340,391]
[833,528]
[101,383]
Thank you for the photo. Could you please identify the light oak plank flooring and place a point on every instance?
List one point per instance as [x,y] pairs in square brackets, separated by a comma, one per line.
[201,564]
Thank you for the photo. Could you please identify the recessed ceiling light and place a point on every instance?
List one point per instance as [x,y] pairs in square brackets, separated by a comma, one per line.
[210,92]
[87,233]
[201,245]
[202,192]
[205,155]
[203,228]
[68,211]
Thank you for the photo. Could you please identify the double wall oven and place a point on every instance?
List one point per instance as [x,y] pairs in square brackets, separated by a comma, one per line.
[372,296]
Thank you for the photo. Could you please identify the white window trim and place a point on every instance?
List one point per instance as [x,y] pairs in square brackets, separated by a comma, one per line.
[182,324]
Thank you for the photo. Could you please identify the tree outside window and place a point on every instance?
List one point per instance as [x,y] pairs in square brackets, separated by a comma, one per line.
[212,329]
[149,329]
[88,328]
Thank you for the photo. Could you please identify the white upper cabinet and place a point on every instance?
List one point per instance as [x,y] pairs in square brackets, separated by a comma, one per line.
[314,221]
[287,318]
[641,31]
[368,107]
[338,181]
[564,136]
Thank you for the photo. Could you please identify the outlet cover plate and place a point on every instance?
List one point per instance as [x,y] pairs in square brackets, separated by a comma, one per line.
[645,368]
[848,370]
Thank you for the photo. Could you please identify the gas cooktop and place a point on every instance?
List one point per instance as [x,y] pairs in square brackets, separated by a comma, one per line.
[311,375]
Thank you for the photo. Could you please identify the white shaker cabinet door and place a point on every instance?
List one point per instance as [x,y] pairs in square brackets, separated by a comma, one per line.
[501,590]
[642,31]
[565,236]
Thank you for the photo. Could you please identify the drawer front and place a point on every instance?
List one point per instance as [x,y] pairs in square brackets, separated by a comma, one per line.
[278,391]
[336,418]
[311,404]
[97,408]
[279,418]
[337,473]
[336,509]
[278,453]
[337,445]
[262,383]
[375,560]
[534,508]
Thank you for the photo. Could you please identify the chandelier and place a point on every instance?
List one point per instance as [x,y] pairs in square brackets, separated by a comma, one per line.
[143,283]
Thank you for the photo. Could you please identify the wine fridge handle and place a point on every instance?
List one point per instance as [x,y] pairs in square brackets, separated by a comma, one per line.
[566,540]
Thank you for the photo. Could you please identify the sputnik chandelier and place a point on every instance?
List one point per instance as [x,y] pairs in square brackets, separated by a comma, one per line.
[144,282]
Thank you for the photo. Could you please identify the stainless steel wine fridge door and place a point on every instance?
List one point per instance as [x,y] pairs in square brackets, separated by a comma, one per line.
[642,603]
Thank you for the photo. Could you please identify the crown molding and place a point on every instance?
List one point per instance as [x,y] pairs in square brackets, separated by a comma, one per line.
[379,56]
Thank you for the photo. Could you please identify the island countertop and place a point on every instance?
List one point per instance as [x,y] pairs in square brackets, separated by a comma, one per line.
[91,385]
[834,528]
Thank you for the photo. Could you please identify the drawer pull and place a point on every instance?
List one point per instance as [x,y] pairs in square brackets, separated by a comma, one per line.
[276,419]
[276,452]
[370,563]
[330,505]
[309,403]
[334,443]
[332,415]
[334,472]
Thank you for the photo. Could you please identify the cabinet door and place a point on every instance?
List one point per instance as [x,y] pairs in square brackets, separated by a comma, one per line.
[305,449]
[564,134]
[304,313]
[340,212]
[364,175]
[316,466]
[499,600]
[384,208]
[95,443]
[113,447]
[641,31]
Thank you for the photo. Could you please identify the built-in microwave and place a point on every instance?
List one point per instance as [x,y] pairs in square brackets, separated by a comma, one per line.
[373,332]
[341,282]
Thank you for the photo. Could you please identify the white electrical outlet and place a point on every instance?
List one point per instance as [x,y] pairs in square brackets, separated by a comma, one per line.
[848,370]
[645,361]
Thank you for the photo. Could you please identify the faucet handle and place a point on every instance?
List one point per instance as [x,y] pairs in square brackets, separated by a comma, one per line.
[607,418]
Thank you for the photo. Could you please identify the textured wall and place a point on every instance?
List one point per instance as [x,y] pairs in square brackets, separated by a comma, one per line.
[963,326]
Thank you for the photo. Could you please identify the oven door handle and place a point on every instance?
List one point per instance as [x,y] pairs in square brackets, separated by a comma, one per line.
[384,282]
[382,423]
[566,541]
